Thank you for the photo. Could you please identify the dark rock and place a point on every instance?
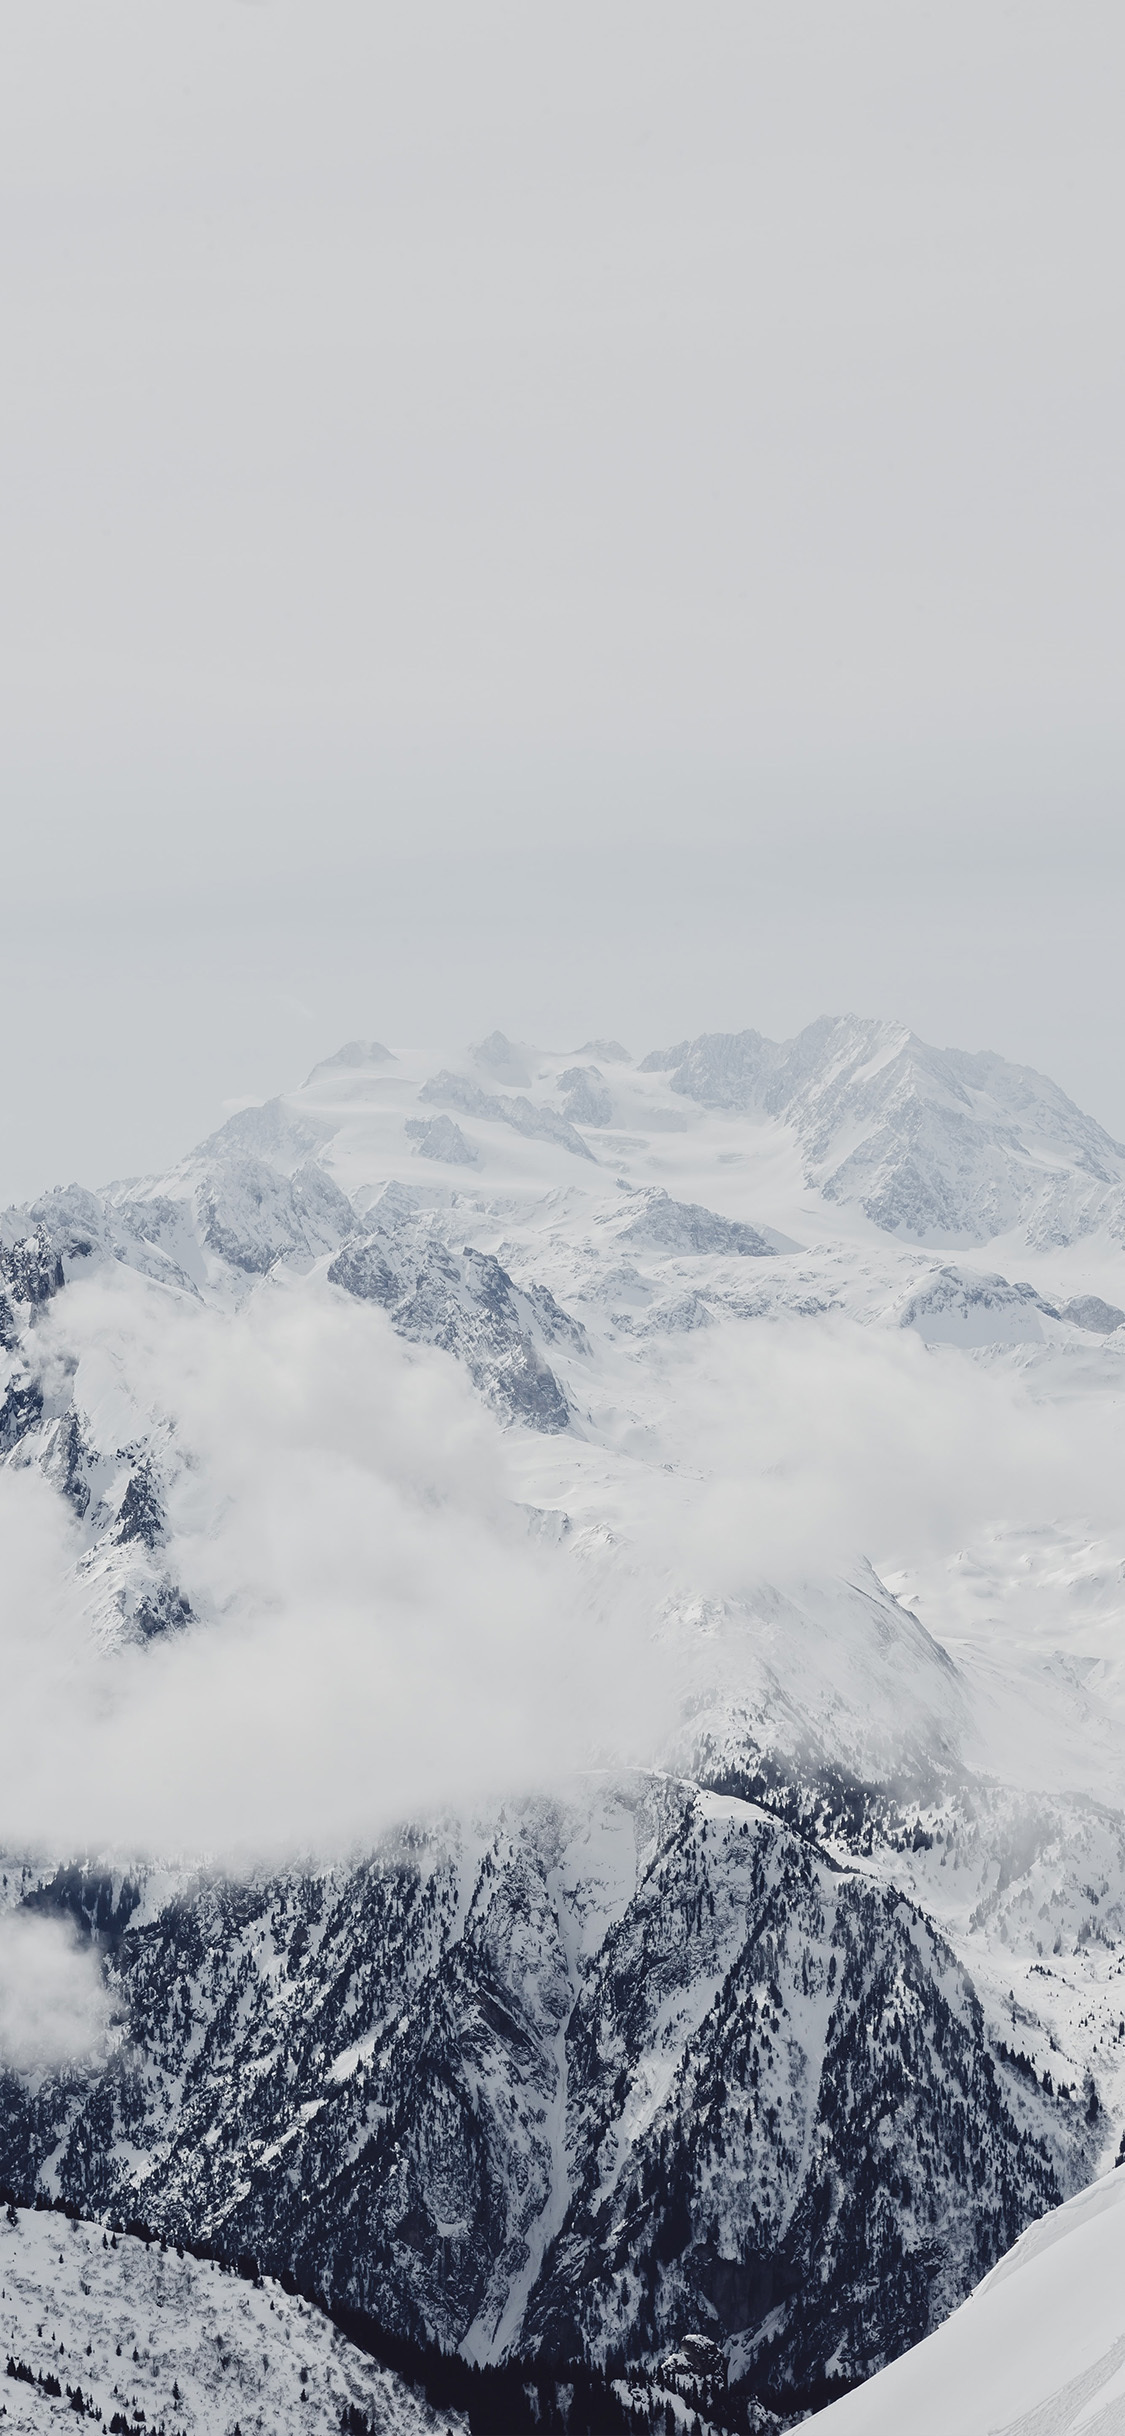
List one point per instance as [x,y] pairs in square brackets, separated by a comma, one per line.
[160,1608]
[1089,1311]
[441,1138]
[685,1226]
[352,2075]
[21,1411]
[32,1269]
[468,1305]
[69,1461]
[140,1515]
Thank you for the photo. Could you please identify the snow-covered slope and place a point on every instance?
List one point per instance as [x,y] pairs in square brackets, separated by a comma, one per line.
[1038,2349]
[142,2336]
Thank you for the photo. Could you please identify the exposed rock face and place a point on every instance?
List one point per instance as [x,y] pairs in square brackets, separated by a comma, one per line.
[587,1100]
[115,1492]
[587,2074]
[252,1217]
[933,1144]
[31,1269]
[20,1412]
[140,1515]
[446,1090]
[728,2056]
[684,1226]
[441,1138]
[1089,1311]
[226,1203]
[467,1304]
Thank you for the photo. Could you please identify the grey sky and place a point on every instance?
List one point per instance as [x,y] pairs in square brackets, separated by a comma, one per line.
[604,518]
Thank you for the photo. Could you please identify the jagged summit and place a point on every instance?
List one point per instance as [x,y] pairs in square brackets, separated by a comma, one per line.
[354,1053]
[503,1059]
[932,1144]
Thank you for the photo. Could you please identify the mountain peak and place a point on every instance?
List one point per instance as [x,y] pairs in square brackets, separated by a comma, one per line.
[353,1053]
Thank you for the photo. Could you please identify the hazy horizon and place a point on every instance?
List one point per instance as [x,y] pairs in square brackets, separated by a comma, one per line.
[594,522]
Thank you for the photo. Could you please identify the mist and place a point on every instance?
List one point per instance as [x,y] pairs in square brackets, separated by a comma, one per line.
[54,2009]
[377,1635]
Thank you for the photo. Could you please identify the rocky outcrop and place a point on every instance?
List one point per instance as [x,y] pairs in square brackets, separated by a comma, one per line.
[587,1100]
[468,1305]
[932,1144]
[655,1222]
[441,1137]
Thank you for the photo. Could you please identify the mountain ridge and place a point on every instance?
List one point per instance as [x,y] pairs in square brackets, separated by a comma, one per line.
[535,2066]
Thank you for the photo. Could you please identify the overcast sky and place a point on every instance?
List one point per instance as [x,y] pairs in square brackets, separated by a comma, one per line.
[603,518]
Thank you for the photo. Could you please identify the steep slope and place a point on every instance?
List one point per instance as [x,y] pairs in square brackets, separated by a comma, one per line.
[141,2336]
[595,2075]
[1038,2349]
[934,1145]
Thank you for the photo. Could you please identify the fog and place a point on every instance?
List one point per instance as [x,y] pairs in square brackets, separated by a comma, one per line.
[591,522]
[54,2010]
[378,1635]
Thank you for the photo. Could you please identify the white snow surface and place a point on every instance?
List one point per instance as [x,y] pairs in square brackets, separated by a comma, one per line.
[1037,2350]
[74,2307]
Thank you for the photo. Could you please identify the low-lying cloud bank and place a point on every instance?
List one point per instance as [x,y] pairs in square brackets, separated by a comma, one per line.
[378,1634]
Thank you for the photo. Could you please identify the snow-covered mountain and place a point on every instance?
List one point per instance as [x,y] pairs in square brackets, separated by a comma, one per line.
[580,2078]
[762,1977]
[934,1145]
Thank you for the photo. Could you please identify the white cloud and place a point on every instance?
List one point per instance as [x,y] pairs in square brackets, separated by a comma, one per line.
[801,1443]
[54,2009]
[377,1633]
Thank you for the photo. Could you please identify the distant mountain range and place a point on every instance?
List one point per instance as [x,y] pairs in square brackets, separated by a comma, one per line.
[933,1145]
[775,2038]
